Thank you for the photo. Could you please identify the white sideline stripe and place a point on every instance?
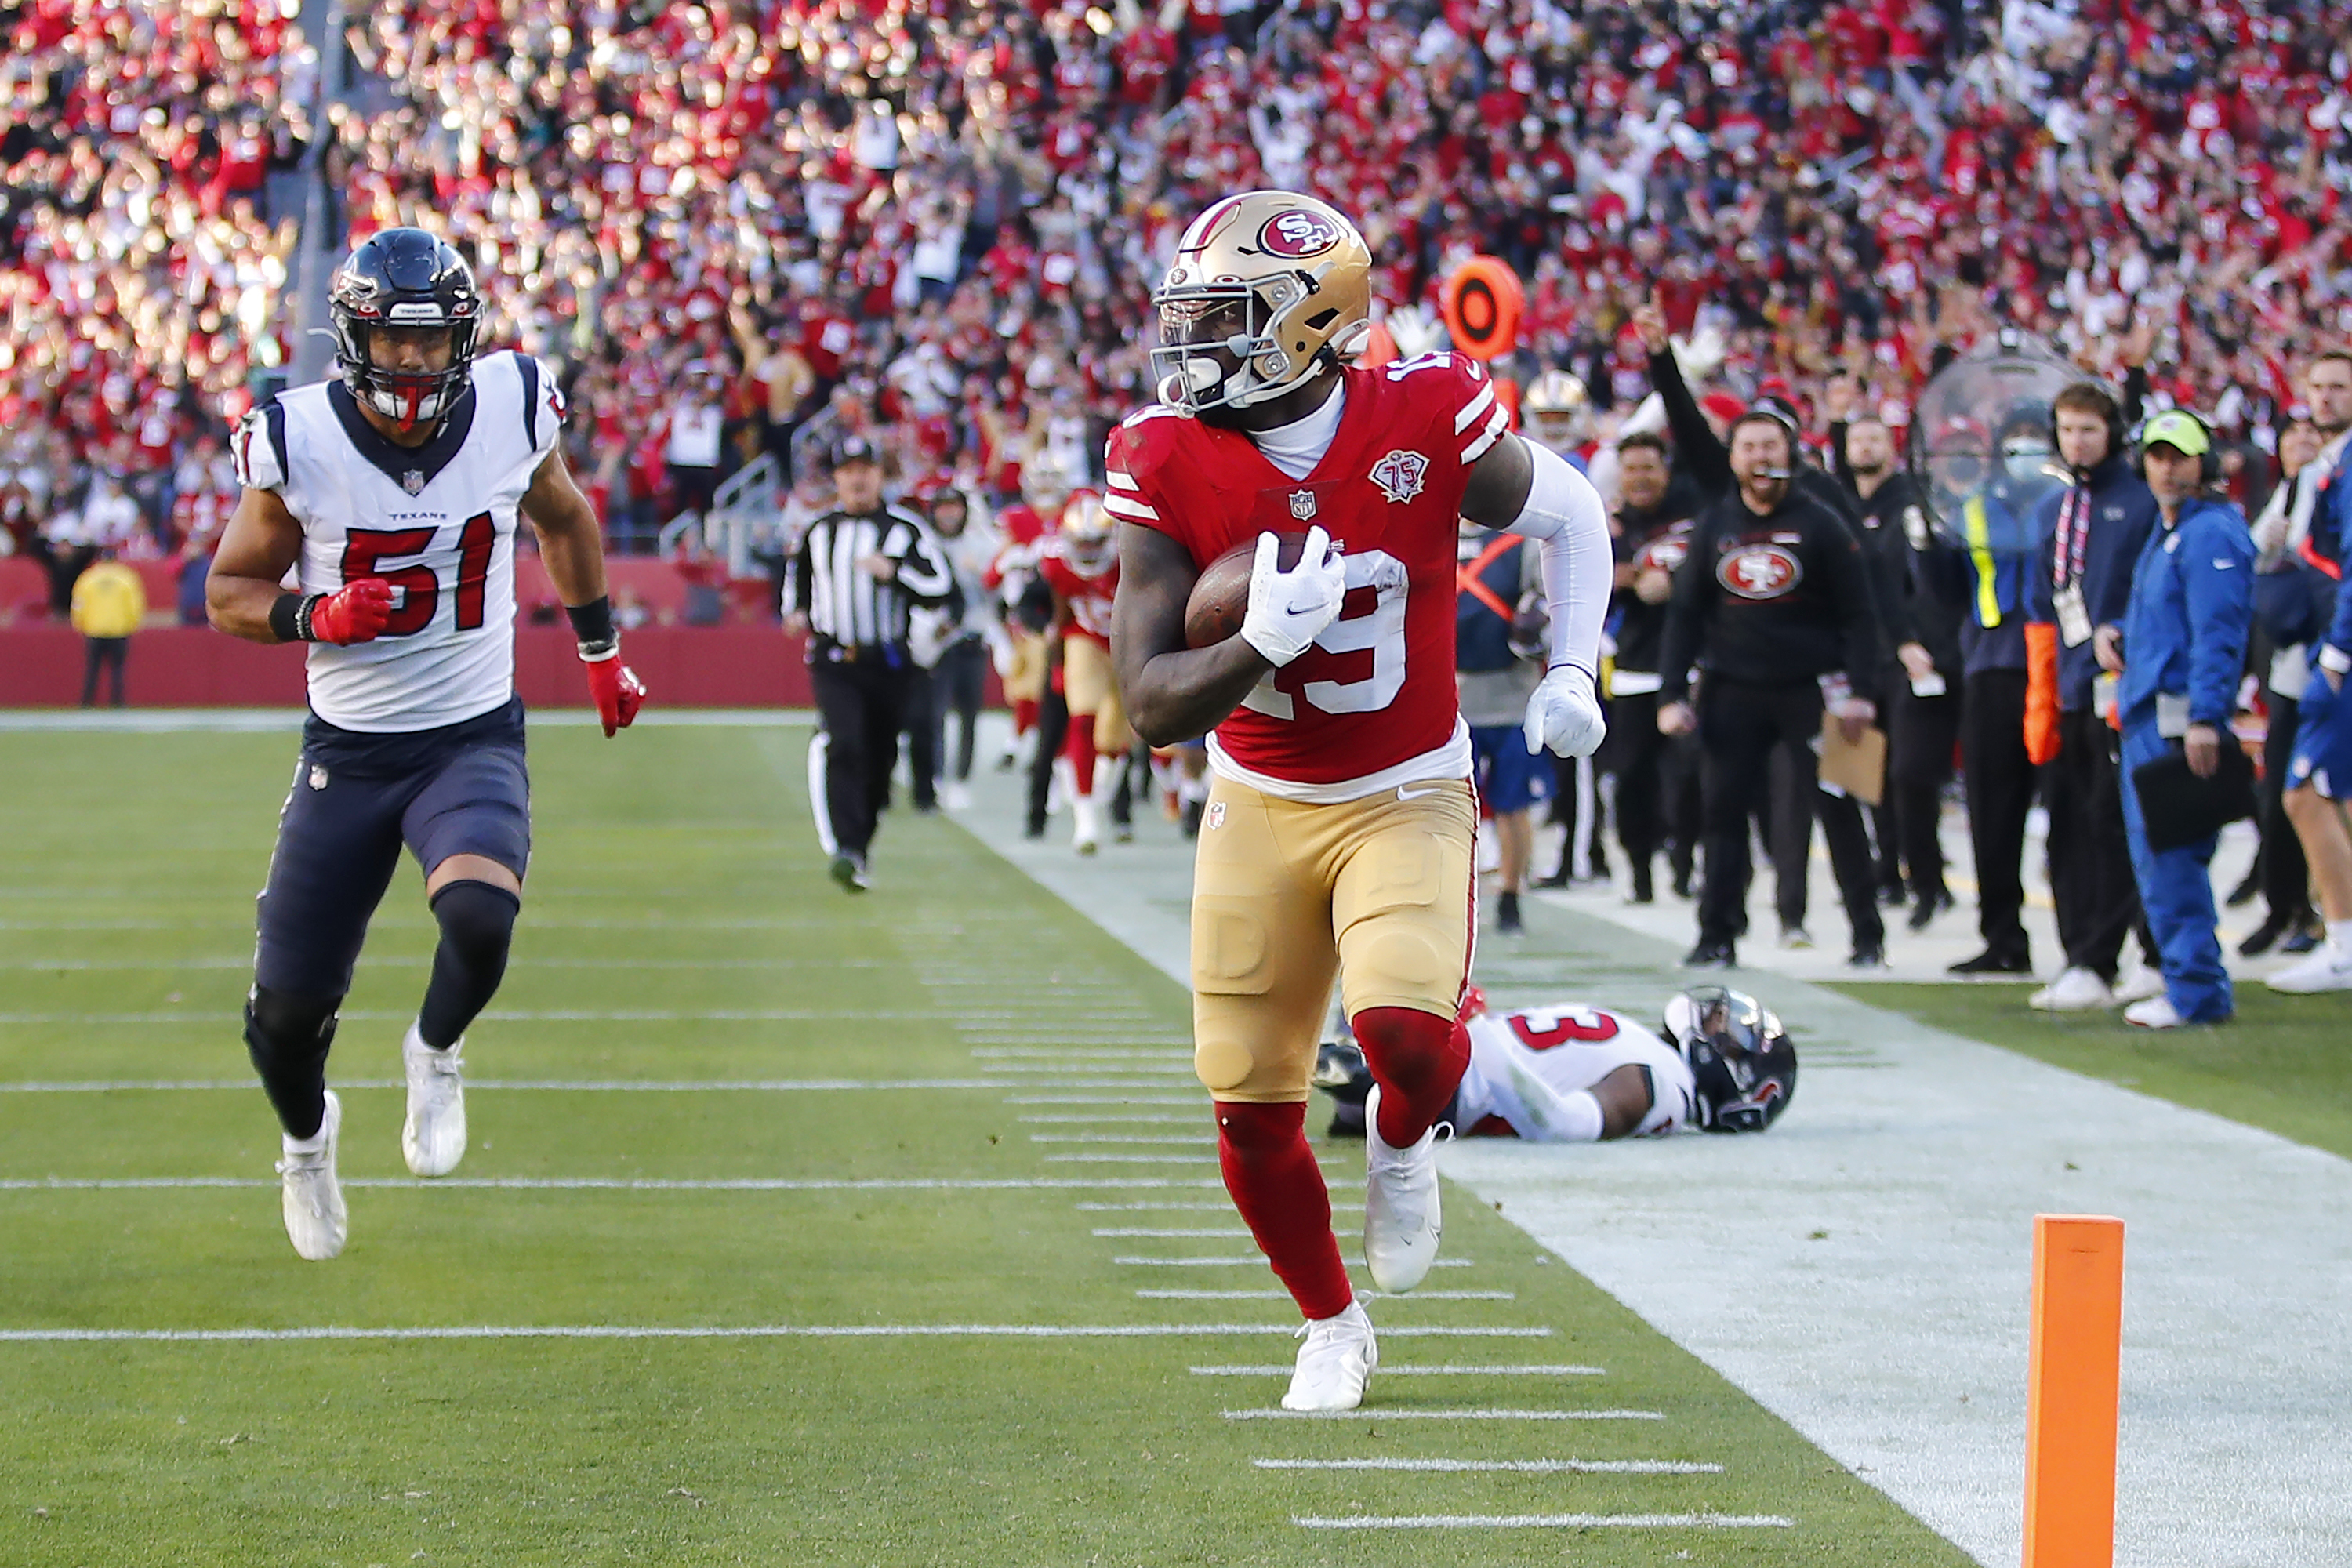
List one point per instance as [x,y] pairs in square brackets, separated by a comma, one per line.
[1368,1295]
[605,1183]
[1219,1233]
[1547,1522]
[564,1086]
[1133,1140]
[1387,1371]
[1127,1208]
[1443,1415]
[1512,1466]
[543,922]
[755,1331]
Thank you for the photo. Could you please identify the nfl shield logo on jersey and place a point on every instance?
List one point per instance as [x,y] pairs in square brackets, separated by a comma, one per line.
[1302,504]
[1400,474]
[412,481]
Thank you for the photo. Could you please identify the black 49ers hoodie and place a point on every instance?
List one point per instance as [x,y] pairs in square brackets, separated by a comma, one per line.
[1772,600]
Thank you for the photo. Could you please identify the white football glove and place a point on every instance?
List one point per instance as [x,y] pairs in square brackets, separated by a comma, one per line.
[1288,610]
[1565,715]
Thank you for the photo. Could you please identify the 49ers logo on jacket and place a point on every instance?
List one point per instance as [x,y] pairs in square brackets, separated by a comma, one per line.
[1664,553]
[1759,571]
[1296,233]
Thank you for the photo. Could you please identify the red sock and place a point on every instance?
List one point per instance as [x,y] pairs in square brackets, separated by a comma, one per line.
[1080,749]
[1270,1170]
[1025,715]
[1418,1058]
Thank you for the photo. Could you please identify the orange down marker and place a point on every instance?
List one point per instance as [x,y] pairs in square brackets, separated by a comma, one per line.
[2071,1385]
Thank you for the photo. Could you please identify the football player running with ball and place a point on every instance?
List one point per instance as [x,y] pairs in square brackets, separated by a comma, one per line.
[394,492]
[1339,831]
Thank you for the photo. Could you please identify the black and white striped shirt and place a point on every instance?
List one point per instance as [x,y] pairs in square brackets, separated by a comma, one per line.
[846,605]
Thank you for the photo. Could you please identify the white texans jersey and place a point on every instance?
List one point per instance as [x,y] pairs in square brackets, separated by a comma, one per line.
[436,521]
[1522,1061]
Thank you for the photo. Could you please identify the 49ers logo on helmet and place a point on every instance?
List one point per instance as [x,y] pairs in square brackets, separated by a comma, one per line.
[1295,233]
[1758,572]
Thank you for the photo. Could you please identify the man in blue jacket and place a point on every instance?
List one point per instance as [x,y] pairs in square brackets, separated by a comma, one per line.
[2179,653]
[2092,532]
[2319,778]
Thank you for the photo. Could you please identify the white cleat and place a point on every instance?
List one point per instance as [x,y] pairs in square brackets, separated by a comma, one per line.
[2326,967]
[1401,1222]
[434,1137]
[1334,1363]
[2154,1012]
[313,1198]
[2074,991]
[956,795]
[2139,984]
[1085,824]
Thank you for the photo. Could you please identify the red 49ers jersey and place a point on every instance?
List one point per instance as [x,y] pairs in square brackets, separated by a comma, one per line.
[1372,703]
[1088,593]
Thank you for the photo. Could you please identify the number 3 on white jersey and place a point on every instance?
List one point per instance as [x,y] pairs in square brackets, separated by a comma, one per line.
[1382,631]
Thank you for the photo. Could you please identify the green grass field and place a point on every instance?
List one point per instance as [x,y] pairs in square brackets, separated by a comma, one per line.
[678,932]
[2284,1063]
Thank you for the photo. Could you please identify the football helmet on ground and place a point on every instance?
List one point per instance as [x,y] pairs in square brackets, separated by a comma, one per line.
[1268,289]
[404,286]
[1741,1060]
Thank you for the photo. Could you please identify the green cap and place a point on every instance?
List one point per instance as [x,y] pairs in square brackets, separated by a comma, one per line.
[2179,429]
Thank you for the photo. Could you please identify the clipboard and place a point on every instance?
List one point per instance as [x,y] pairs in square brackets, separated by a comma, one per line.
[1859,769]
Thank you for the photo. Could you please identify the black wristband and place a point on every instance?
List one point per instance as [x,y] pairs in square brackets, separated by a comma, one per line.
[591,622]
[286,618]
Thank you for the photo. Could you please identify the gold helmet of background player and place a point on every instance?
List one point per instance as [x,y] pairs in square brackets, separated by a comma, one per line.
[1559,410]
[1085,530]
[1268,289]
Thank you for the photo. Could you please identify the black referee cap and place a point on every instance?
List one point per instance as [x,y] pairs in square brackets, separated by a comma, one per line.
[854,449]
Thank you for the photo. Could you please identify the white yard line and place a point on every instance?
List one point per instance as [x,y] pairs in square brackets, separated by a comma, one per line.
[1366,1295]
[699,1331]
[1219,1233]
[1197,1102]
[1130,1159]
[1193,1140]
[517,1015]
[552,1085]
[1387,1369]
[1508,1466]
[1226,1207]
[1443,1415]
[1547,1522]
[244,961]
[1109,1121]
[608,1183]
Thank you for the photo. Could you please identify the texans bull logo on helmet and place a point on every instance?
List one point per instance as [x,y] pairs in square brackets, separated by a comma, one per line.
[1296,234]
[1759,571]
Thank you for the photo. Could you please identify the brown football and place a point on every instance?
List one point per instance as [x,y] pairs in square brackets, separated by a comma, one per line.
[1221,593]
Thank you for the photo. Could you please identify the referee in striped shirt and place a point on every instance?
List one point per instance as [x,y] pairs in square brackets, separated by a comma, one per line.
[854,575]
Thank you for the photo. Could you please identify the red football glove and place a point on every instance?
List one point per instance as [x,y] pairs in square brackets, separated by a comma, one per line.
[356,612]
[616,689]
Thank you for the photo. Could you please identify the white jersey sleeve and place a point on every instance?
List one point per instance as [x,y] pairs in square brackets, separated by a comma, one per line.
[1523,1061]
[258,451]
[436,522]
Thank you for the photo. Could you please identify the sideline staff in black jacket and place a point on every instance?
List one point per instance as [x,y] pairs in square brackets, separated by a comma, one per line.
[1774,604]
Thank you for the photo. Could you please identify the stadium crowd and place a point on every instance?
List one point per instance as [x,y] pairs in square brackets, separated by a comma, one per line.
[933,226]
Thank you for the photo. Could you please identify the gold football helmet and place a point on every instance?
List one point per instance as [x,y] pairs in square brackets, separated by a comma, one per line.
[1086,530]
[1268,289]
[1559,410]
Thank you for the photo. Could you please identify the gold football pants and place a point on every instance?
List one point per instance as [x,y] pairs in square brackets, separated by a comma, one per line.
[1284,893]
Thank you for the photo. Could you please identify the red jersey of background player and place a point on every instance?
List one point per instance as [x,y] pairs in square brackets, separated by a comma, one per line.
[1086,586]
[1373,702]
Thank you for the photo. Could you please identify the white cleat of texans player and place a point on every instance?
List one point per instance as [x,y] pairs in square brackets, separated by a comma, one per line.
[390,496]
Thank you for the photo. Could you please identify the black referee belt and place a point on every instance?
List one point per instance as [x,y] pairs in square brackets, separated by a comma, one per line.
[824,650]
